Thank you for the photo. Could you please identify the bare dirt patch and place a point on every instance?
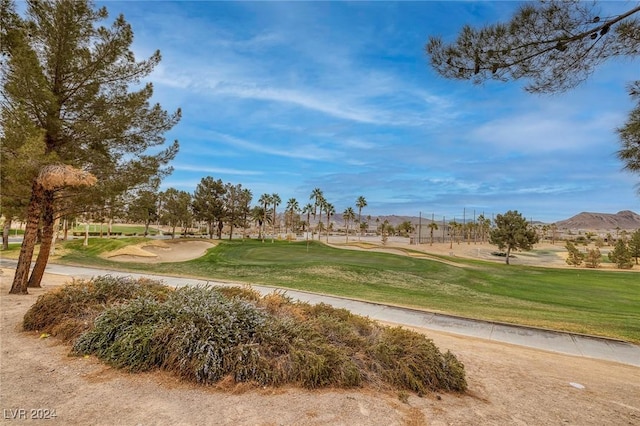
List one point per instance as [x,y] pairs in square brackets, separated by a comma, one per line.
[507,385]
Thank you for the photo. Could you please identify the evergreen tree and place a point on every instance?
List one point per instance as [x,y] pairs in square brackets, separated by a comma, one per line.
[555,45]
[513,232]
[143,208]
[70,77]
[594,258]
[620,255]
[208,202]
[176,209]
[574,257]
[634,245]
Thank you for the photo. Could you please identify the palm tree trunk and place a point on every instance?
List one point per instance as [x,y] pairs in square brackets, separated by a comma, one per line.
[19,285]
[47,240]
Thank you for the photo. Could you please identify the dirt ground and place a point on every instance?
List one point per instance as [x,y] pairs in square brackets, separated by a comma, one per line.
[507,384]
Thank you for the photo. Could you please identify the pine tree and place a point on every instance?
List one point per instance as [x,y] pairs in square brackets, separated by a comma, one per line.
[634,245]
[574,257]
[594,258]
[554,45]
[513,232]
[71,78]
[620,255]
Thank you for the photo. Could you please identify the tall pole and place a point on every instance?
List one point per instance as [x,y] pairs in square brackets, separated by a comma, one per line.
[475,228]
[464,223]
[419,228]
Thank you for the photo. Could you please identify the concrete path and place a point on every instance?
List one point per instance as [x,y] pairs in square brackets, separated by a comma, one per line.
[554,341]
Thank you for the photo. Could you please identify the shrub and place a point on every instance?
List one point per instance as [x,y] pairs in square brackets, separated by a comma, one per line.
[68,311]
[206,334]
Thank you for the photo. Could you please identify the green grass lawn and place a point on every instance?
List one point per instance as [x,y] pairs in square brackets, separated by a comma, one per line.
[116,228]
[605,303]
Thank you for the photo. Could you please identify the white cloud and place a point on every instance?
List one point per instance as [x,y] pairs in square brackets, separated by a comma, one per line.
[214,170]
[302,151]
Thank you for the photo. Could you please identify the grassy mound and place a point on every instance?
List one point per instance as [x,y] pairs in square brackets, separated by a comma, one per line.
[207,333]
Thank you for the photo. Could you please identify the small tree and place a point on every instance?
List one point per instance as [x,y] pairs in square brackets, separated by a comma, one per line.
[143,208]
[575,257]
[621,255]
[432,227]
[593,259]
[384,231]
[512,232]
[176,208]
[634,245]
[405,228]
[208,202]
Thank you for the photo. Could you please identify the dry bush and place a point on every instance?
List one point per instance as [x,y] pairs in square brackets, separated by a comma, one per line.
[68,311]
[208,334]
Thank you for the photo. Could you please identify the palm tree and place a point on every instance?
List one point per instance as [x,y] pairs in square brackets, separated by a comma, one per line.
[321,206]
[329,210]
[348,215]
[432,227]
[316,196]
[258,216]
[308,209]
[292,208]
[360,204]
[275,201]
[265,201]
[453,228]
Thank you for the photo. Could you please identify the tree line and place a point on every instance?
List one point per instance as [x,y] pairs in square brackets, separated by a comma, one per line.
[77,126]
[221,207]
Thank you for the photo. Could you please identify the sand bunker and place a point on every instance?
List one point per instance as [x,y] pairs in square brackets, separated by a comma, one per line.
[160,251]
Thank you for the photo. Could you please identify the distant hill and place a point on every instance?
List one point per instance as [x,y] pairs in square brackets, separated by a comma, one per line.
[625,219]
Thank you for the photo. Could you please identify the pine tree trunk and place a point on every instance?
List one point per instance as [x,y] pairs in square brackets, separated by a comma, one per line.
[5,234]
[55,236]
[47,239]
[21,276]
[85,242]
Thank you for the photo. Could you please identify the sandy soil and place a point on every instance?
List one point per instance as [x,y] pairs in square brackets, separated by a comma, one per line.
[544,254]
[159,251]
[507,385]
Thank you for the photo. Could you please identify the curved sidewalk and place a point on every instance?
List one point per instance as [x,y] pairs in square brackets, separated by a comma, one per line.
[549,340]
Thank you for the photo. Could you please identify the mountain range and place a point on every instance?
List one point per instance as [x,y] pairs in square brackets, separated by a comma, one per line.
[625,219]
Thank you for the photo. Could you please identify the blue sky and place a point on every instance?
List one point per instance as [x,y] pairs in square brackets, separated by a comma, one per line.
[284,97]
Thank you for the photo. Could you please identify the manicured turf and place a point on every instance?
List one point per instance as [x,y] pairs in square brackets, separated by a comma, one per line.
[118,228]
[597,302]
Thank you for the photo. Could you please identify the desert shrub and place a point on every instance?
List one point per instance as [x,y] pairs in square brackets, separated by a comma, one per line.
[402,357]
[69,310]
[242,292]
[206,334]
